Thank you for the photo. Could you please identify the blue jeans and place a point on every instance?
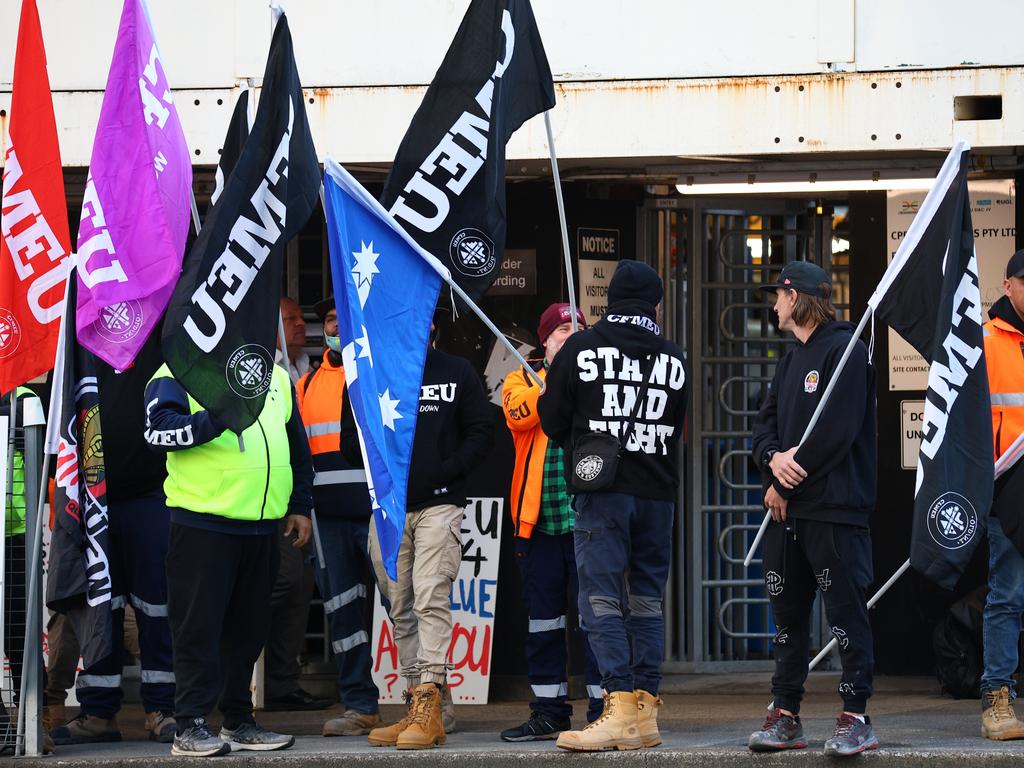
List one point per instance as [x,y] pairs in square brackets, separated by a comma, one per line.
[344,583]
[1003,609]
[623,550]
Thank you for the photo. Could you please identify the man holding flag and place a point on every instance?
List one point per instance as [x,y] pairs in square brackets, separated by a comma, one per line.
[385,290]
[1004,358]
[820,493]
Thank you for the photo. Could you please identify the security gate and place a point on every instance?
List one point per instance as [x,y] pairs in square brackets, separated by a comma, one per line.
[713,256]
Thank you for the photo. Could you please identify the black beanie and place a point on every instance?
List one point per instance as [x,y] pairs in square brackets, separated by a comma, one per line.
[635,280]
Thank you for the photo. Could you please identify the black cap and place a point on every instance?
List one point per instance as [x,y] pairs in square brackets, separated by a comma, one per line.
[634,280]
[802,277]
[324,306]
[1015,266]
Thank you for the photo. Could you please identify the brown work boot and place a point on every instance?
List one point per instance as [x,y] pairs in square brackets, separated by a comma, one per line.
[86,729]
[387,735]
[161,727]
[352,723]
[616,728]
[425,728]
[647,717]
[998,720]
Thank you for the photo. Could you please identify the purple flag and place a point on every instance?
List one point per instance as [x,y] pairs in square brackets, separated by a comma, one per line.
[135,212]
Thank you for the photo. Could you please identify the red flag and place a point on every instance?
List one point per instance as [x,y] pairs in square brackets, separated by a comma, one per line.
[34,242]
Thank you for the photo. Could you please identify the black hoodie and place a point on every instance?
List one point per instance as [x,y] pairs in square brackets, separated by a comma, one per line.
[454,431]
[840,455]
[596,377]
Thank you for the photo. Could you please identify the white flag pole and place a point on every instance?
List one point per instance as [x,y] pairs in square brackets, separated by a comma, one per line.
[561,219]
[871,604]
[1005,462]
[929,205]
[348,182]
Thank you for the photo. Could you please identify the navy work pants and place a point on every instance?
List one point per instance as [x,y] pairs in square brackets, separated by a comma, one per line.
[345,577]
[623,551]
[137,544]
[547,565]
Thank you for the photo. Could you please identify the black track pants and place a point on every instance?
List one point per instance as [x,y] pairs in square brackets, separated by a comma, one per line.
[801,556]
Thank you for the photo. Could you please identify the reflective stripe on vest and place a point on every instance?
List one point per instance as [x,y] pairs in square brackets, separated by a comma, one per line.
[321,408]
[1004,359]
[216,478]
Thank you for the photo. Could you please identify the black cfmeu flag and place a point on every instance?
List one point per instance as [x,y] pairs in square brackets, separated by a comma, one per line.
[79,581]
[933,301]
[447,185]
[221,325]
[238,132]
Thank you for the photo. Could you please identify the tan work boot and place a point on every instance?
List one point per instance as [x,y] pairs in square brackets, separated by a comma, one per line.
[647,717]
[352,723]
[86,729]
[425,727]
[387,735]
[447,710]
[160,727]
[998,721]
[616,728]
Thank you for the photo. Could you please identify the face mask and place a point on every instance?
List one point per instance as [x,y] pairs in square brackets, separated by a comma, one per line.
[333,343]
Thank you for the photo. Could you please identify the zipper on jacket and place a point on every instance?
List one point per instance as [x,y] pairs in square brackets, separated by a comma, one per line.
[999,433]
[266,486]
[522,487]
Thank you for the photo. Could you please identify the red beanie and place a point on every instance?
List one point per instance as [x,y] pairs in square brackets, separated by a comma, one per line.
[553,317]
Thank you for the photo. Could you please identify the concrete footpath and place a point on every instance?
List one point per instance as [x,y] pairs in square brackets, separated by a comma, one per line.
[705,720]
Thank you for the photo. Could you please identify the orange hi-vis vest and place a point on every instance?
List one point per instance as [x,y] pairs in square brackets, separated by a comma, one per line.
[519,397]
[339,489]
[1004,358]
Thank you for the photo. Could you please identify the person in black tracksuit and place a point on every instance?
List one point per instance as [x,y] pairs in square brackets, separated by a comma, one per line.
[820,494]
[623,533]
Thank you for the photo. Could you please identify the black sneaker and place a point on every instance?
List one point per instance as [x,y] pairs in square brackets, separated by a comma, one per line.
[778,732]
[251,735]
[197,740]
[538,728]
[851,737]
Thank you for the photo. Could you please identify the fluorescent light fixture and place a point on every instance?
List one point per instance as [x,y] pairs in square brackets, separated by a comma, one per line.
[810,183]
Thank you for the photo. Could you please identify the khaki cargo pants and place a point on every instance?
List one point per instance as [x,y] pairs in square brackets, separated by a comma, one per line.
[428,562]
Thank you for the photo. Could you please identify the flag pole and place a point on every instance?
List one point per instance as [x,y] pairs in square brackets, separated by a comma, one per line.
[561,219]
[871,604]
[814,419]
[33,563]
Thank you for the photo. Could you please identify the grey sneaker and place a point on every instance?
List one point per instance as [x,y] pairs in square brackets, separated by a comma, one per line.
[778,732]
[851,737]
[197,740]
[252,735]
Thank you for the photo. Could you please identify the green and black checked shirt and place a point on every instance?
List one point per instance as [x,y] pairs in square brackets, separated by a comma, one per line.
[556,513]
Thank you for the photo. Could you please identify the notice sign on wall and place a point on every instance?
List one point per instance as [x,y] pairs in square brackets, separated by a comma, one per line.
[597,253]
[911,421]
[473,598]
[993,208]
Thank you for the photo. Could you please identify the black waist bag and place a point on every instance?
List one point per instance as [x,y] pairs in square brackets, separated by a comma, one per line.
[595,455]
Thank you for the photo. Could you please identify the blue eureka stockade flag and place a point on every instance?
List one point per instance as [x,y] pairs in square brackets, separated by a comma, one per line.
[385,289]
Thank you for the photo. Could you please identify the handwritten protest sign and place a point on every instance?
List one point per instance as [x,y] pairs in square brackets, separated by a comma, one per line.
[473,600]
